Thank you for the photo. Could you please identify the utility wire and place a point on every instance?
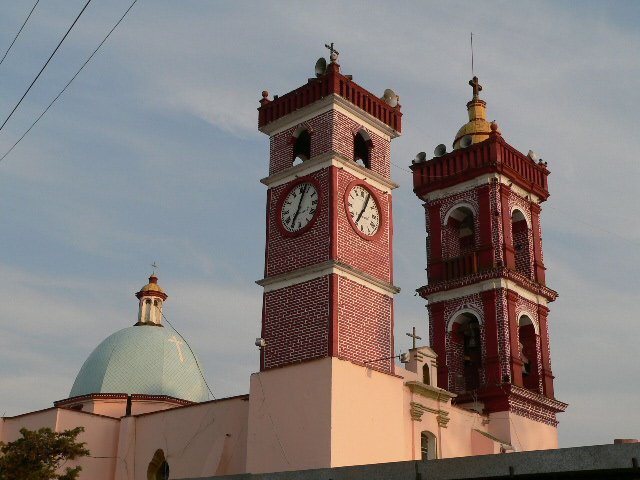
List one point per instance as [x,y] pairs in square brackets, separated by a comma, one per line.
[69,82]
[17,34]
[45,65]
[192,353]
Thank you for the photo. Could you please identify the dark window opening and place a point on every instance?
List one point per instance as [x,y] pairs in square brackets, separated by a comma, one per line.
[466,336]
[529,354]
[302,146]
[361,150]
[425,374]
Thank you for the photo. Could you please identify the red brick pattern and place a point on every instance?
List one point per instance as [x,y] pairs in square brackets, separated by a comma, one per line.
[295,323]
[372,257]
[450,239]
[454,349]
[286,253]
[330,132]
[365,323]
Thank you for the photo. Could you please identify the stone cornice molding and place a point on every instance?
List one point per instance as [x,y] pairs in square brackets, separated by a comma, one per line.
[429,391]
[417,410]
[327,268]
[326,160]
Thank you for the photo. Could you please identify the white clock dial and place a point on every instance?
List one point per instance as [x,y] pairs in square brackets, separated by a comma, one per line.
[299,207]
[364,210]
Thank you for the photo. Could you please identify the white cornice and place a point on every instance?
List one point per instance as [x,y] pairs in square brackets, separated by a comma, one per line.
[327,268]
[326,160]
[323,105]
[491,284]
[477,182]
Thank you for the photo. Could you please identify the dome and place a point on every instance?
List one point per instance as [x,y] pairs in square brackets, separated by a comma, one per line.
[147,360]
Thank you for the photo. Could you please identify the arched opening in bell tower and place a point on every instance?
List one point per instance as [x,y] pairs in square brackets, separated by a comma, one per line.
[458,231]
[362,149]
[529,346]
[465,359]
[521,243]
[301,146]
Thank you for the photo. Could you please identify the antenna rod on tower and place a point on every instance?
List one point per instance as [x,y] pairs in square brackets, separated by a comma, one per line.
[472,54]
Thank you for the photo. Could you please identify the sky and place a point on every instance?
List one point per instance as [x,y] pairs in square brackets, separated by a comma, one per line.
[153,155]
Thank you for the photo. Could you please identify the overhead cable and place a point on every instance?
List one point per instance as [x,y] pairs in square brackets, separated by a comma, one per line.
[69,82]
[17,34]
[45,65]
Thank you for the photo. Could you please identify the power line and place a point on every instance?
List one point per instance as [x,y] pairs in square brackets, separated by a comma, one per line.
[69,82]
[192,353]
[45,65]
[17,34]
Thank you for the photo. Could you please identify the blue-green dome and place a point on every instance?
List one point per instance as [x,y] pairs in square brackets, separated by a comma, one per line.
[143,359]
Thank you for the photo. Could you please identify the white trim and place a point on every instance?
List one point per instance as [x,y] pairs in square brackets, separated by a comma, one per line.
[525,214]
[491,284]
[326,160]
[459,205]
[327,268]
[533,318]
[330,102]
[476,313]
[478,181]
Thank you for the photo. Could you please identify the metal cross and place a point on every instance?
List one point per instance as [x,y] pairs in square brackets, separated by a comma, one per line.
[154,267]
[414,337]
[477,88]
[178,343]
[331,49]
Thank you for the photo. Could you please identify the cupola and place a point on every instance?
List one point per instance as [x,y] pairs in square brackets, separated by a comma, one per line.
[150,297]
[477,128]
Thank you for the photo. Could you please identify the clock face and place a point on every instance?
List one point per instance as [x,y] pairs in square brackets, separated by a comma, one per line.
[364,210]
[299,207]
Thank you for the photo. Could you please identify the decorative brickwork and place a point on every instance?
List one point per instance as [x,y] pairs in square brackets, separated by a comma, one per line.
[455,349]
[331,131]
[365,325]
[296,323]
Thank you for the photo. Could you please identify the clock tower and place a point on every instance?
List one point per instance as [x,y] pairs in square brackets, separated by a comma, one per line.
[328,277]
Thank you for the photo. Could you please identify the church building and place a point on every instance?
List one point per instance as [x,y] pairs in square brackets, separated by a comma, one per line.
[330,390]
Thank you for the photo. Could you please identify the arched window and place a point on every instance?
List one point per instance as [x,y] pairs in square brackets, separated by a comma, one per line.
[362,149]
[528,339]
[301,146]
[521,243]
[147,310]
[426,377]
[158,468]
[466,353]
[428,446]
[458,232]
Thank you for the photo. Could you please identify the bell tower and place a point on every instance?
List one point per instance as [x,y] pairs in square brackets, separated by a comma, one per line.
[328,277]
[487,295]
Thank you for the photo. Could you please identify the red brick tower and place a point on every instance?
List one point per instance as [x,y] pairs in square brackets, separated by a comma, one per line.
[487,297]
[328,279]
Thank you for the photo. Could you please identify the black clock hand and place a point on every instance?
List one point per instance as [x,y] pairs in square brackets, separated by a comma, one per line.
[363,208]
[304,190]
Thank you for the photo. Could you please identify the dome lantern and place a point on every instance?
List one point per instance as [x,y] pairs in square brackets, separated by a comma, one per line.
[477,128]
[150,297]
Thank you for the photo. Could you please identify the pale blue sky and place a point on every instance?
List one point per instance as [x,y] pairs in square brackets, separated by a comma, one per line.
[153,154]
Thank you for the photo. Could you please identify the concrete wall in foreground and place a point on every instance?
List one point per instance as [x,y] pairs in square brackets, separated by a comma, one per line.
[601,461]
